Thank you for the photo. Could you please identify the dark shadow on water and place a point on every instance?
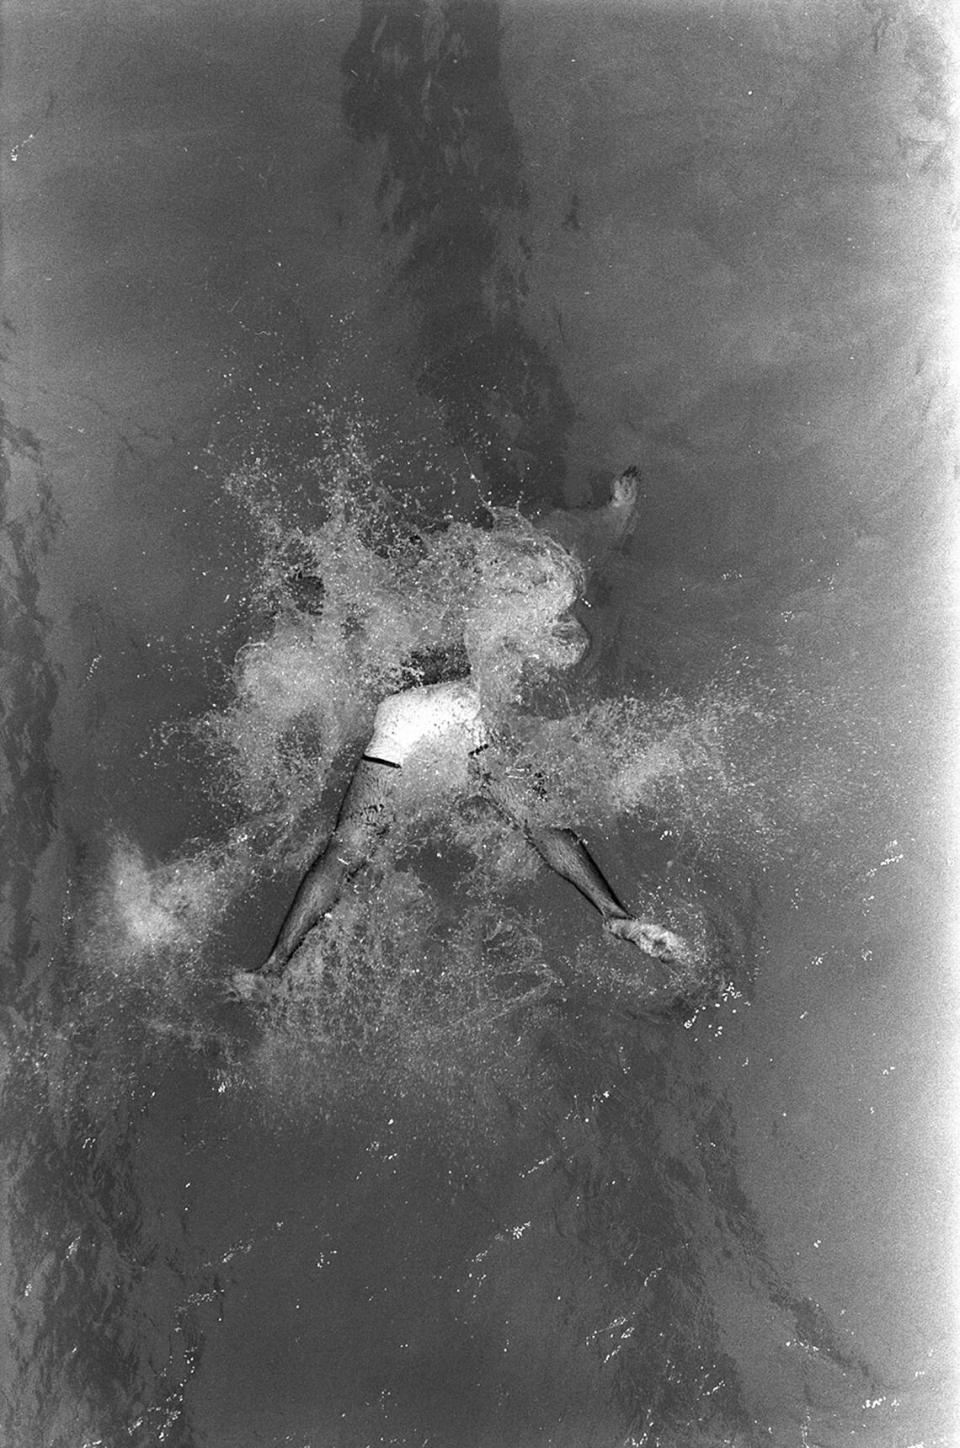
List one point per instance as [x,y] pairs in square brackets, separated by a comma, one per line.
[427,84]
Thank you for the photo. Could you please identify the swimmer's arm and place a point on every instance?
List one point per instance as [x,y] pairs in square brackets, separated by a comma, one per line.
[593,532]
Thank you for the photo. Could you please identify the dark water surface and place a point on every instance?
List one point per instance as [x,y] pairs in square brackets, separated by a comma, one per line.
[462,252]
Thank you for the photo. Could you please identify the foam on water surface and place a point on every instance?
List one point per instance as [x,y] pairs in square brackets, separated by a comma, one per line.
[346,605]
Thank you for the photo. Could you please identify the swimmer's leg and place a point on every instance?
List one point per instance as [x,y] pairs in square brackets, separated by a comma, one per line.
[364,817]
[568,856]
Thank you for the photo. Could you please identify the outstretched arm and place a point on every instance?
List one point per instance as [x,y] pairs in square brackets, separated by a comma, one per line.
[595,533]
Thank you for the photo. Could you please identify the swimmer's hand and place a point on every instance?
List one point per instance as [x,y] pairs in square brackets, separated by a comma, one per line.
[623,490]
[664,945]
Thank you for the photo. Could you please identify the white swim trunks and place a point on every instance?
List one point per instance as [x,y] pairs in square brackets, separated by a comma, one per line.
[445,715]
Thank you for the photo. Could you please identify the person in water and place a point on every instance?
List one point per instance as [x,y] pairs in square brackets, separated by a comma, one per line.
[518,613]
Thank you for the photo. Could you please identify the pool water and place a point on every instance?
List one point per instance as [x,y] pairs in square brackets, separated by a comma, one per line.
[301,281]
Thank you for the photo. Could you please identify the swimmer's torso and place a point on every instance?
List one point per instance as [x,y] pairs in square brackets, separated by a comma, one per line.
[437,716]
[518,613]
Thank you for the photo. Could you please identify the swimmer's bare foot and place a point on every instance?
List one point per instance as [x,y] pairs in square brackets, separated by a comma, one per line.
[664,945]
